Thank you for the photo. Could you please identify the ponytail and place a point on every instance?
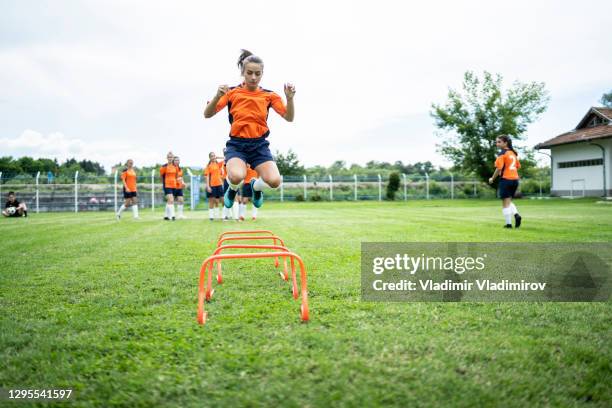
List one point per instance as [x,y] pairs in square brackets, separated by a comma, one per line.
[247,56]
[508,141]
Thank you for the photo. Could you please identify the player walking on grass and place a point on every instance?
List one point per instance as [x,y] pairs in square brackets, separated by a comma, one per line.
[178,191]
[248,105]
[130,190]
[246,194]
[168,176]
[506,166]
[213,174]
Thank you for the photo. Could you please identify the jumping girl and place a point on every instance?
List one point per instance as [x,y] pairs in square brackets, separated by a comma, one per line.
[168,175]
[248,105]
[130,190]
[507,165]
[214,185]
[178,191]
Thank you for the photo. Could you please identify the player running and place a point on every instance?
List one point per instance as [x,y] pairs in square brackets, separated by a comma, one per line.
[168,175]
[130,190]
[507,165]
[247,193]
[248,105]
[214,185]
[178,191]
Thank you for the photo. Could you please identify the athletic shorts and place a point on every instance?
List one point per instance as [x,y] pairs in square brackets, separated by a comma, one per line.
[178,192]
[251,151]
[507,188]
[247,191]
[168,191]
[215,192]
[129,194]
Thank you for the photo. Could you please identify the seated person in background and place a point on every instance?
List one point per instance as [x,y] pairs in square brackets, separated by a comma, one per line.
[14,208]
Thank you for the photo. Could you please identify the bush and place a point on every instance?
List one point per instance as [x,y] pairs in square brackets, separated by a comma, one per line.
[393,185]
[316,197]
[299,197]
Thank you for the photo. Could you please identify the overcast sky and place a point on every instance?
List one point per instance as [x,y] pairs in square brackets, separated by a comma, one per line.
[111,80]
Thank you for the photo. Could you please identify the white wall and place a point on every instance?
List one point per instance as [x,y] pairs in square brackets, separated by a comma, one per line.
[592,175]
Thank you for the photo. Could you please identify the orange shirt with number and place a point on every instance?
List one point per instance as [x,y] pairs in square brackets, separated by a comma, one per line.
[508,164]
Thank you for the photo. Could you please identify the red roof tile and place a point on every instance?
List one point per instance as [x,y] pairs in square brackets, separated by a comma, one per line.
[579,135]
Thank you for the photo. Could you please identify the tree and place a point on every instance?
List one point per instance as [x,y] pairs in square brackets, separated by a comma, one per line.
[606,99]
[393,185]
[481,112]
[288,164]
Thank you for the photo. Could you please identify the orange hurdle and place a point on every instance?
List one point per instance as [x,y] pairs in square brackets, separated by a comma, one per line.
[273,238]
[285,276]
[206,276]
[251,232]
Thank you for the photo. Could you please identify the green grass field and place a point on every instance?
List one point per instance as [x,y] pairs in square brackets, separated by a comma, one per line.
[108,309]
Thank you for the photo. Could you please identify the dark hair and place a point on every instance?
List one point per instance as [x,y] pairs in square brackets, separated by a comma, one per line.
[11,193]
[247,56]
[508,141]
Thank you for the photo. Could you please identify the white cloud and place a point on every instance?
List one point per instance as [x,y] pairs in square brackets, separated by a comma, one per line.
[59,146]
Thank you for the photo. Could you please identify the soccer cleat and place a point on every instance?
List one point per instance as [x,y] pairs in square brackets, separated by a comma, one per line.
[517,220]
[228,198]
[257,196]
[118,216]
[508,226]
[166,219]
[173,218]
[254,218]
[241,218]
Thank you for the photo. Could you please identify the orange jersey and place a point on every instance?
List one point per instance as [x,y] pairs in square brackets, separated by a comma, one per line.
[213,172]
[129,180]
[251,174]
[508,164]
[248,110]
[180,183]
[168,175]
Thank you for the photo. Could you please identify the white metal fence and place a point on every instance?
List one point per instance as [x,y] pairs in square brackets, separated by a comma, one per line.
[103,193]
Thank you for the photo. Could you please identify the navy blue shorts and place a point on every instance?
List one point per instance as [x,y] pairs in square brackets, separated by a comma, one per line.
[178,192]
[250,151]
[247,191]
[215,192]
[507,188]
[225,185]
[129,194]
[168,191]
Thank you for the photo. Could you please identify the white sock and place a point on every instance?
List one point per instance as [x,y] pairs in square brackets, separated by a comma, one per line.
[507,215]
[167,211]
[513,208]
[135,210]
[254,211]
[242,210]
[179,208]
[260,185]
[216,212]
[235,210]
[224,212]
[170,208]
[235,187]
[211,213]
[121,209]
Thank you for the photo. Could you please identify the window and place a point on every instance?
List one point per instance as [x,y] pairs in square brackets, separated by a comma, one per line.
[580,163]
